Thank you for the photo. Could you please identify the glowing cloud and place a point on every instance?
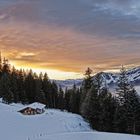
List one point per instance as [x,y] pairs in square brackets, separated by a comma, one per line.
[66,37]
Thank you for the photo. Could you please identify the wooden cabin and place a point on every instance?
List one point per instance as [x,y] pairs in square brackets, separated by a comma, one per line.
[33,109]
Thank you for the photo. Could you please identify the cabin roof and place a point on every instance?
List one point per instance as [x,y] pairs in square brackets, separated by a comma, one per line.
[34,106]
[22,110]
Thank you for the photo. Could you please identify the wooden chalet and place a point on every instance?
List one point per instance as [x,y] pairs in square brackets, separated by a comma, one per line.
[33,109]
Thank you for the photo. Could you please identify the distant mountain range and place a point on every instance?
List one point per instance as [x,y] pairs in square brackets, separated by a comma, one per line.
[109,78]
[69,83]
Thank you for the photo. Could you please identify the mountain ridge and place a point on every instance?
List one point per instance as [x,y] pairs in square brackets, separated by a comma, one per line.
[108,78]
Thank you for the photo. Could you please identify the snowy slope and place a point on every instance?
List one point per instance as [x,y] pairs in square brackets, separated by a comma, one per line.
[15,126]
[52,125]
[90,136]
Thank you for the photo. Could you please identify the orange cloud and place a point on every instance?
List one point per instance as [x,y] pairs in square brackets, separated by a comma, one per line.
[49,47]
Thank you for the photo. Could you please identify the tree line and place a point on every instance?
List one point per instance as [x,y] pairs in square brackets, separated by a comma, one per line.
[20,86]
[105,111]
[111,112]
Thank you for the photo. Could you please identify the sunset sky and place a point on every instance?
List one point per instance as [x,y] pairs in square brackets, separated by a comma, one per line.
[64,37]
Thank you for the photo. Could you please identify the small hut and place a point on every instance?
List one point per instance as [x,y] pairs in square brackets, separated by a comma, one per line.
[33,109]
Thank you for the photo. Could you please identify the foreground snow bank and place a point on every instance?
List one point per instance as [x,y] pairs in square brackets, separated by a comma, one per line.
[52,125]
[15,126]
[90,136]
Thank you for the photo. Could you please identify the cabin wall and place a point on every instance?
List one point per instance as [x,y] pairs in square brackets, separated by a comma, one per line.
[30,111]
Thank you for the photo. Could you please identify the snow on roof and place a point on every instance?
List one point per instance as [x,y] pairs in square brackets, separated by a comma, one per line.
[35,106]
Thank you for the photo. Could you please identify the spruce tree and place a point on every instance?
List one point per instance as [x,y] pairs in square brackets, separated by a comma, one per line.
[131,106]
[60,99]
[39,93]
[107,109]
[92,107]
[128,105]
[14,84]
[46,87]
[67,97]
[88,79]
[53,94]
[124,86]
[5,89]
[21,87]
[30,87]
[86,86]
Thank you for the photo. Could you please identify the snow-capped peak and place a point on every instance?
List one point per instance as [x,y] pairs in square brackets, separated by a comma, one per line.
[110,79]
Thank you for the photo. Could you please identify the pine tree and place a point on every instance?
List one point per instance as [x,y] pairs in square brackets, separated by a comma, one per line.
[92,93]
[53,94]
[30,87]
[86,86]
[124,86]
[5,89]
[74,102]
[21,87]
[92,107]
[88,79]
[5,66]
[78,99]
[46,87]
[122,90]
[67,97]
[131,106]
[14,85]
[98,81]
[40,97]
[39,93]
[107,109]
[60,99]
[128,105]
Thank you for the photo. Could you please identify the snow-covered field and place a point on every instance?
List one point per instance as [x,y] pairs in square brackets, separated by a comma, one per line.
[91,136]
[52,125]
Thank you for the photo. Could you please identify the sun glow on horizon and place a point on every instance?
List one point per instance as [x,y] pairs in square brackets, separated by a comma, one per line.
[58,74]
[54,74]
[63,42]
